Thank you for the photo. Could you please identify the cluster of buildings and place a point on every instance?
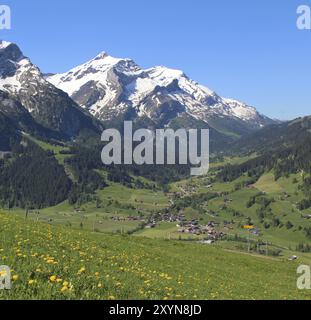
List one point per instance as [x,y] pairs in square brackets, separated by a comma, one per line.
[185,191]
[193,227]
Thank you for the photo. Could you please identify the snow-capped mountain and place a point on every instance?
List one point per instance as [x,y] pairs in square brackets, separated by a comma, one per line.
[113,89]
[109,87]
[46,104]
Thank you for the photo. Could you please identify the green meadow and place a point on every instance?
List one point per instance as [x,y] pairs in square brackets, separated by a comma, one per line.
[54,262]
[102,249]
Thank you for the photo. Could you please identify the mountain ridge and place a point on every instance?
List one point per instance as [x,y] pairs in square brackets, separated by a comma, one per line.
[278,136]
[46,104]
[108,87]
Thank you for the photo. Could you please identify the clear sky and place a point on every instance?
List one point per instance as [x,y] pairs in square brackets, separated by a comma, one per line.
[250,50]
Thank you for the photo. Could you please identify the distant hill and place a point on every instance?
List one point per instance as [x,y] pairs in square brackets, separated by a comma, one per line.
[274,137]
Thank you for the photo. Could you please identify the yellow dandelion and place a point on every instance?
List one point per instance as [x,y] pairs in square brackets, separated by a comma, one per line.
[64,289]
[82,270]
[15,277]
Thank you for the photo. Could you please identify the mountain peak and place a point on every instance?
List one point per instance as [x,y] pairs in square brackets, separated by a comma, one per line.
[10,51]
[46,104]
[4,44]
[102,55]
[109,86]
[162,71]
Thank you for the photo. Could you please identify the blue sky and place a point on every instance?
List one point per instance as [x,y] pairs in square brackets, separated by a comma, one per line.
[250,50]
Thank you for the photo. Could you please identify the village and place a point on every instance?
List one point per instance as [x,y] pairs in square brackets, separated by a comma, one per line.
[184,226]
[184,191]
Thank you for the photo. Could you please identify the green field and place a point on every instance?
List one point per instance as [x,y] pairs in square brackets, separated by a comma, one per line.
[231,211]
[117,201]
[57,149]
[120,202]
[52,262]
[102,249]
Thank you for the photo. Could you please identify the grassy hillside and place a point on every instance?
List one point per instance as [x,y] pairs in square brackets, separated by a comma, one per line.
[84,250]
[113,206]
[232,205]
[50,262]
[109,214]
[56,149]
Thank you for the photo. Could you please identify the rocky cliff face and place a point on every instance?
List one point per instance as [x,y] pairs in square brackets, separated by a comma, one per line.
[47,105]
